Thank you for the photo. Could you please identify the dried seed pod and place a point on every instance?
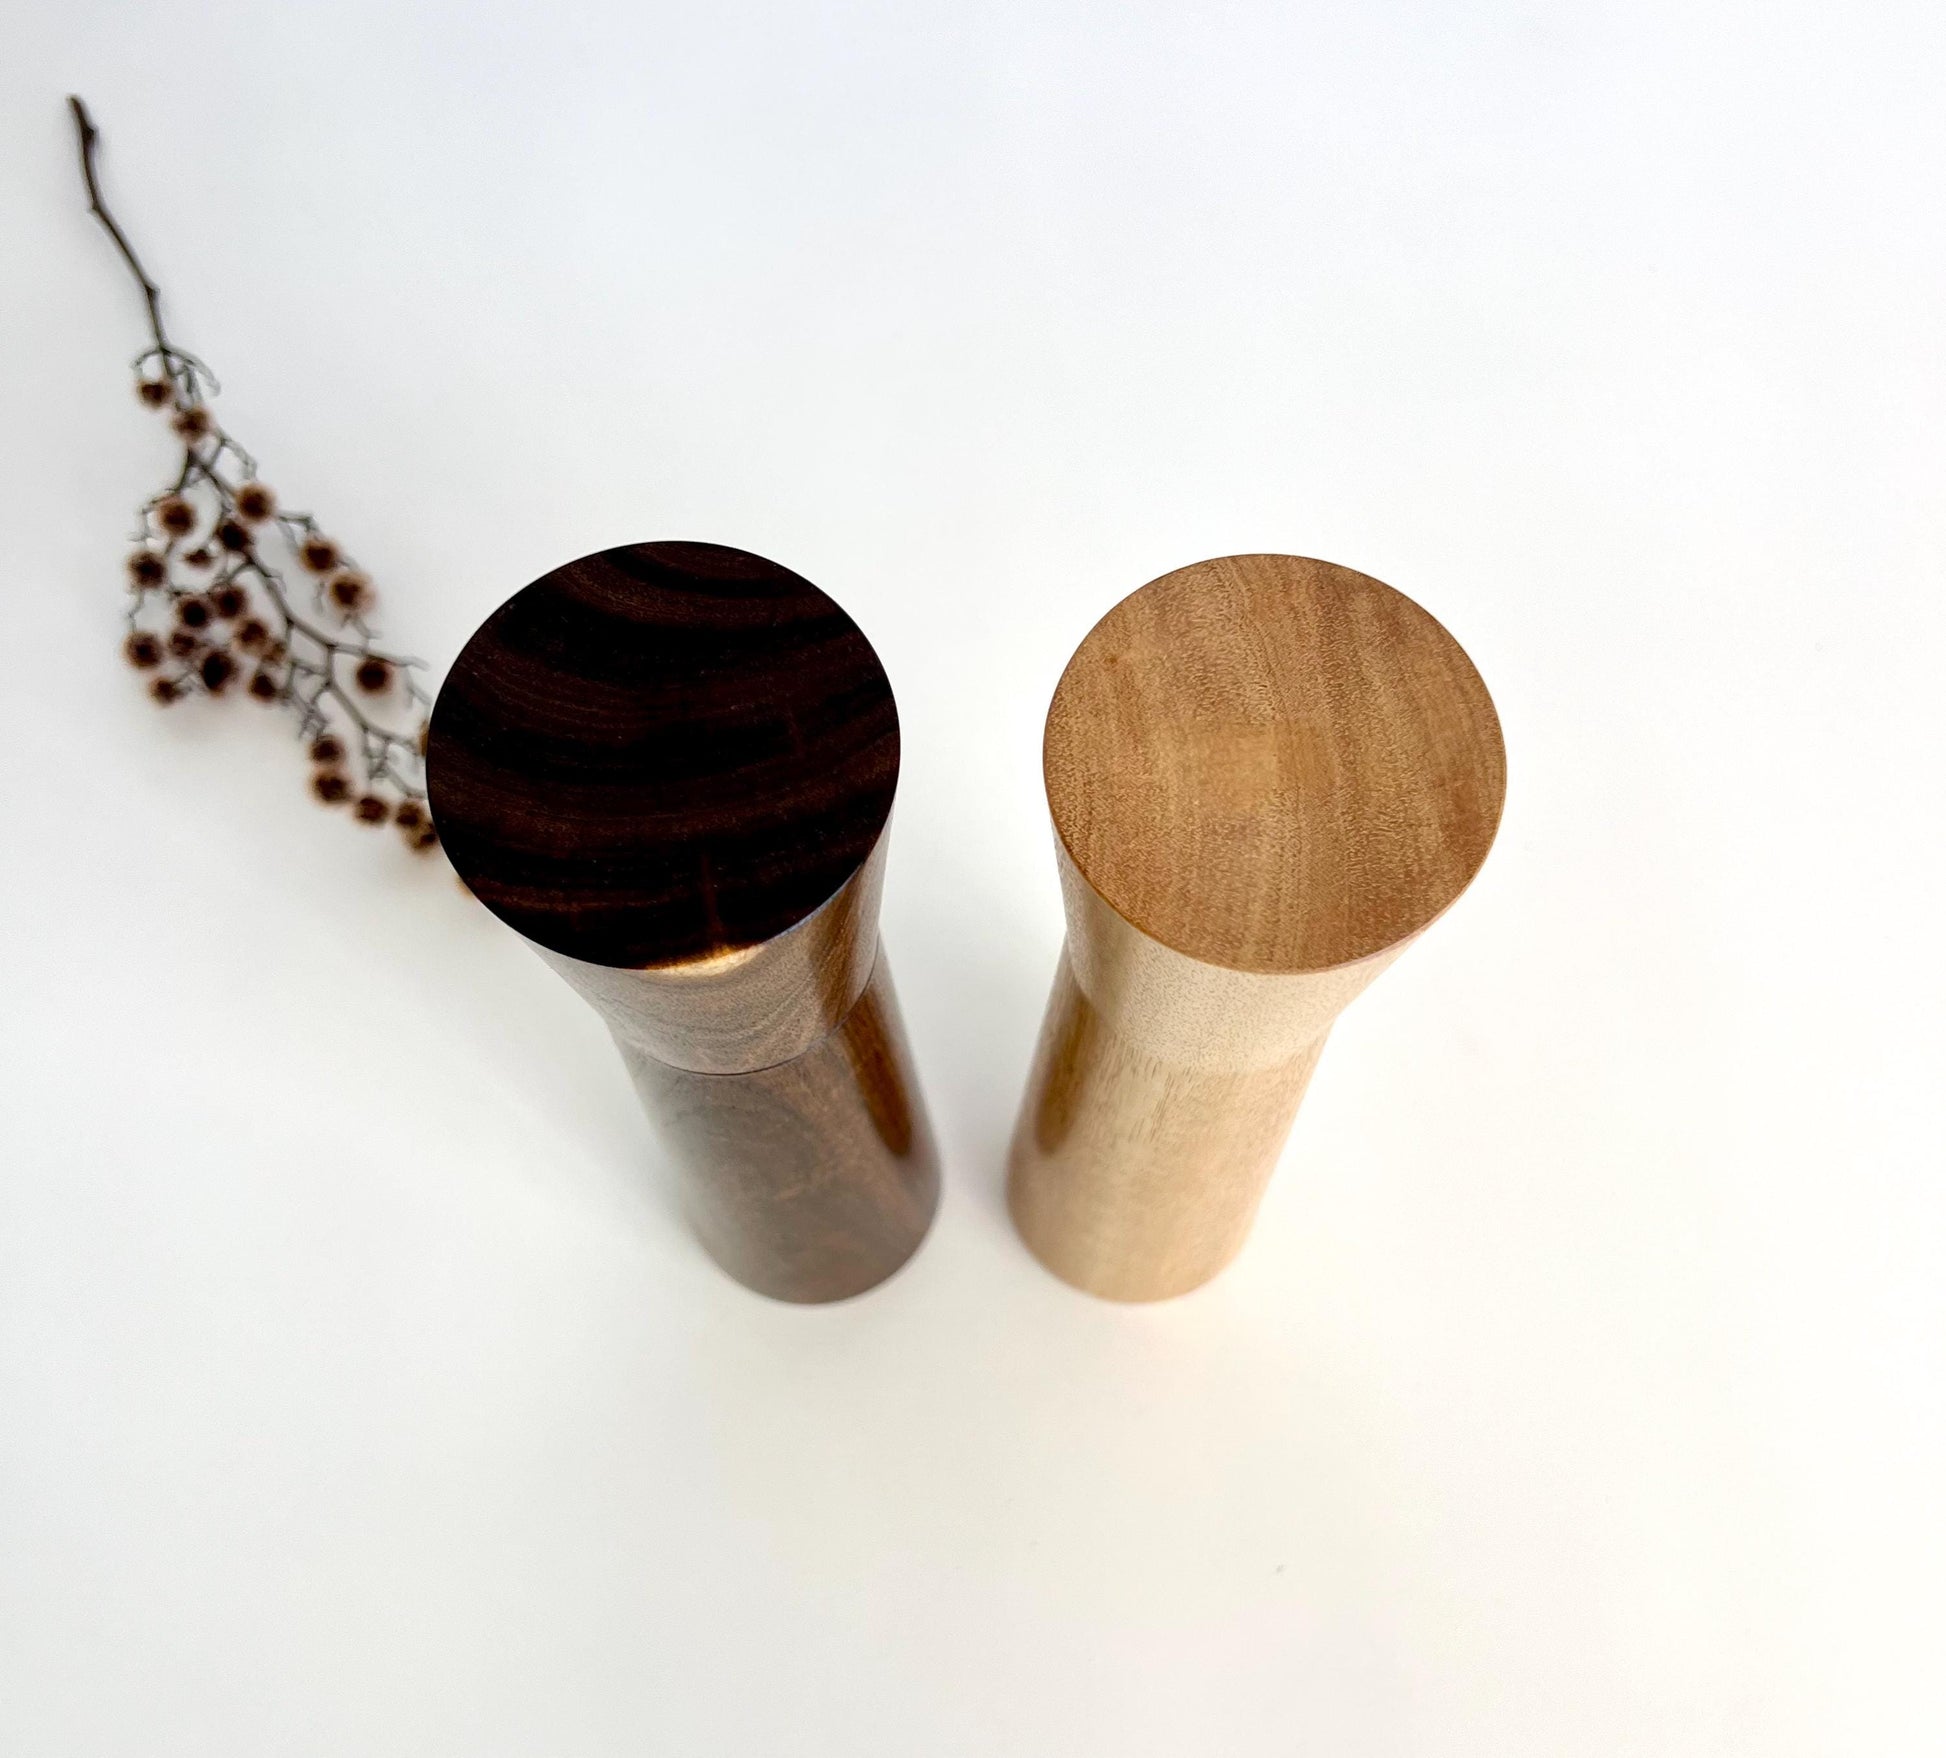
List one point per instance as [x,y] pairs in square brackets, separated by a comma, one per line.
[175,515]
[228,600]
[330,787]
[183,644]
[374,675]
[255,502]
[146,568]
[165,690]
[319,554]
[192,611]
[252,635]
[266,686]
[216,670]
[410,815]
[193,424]
[233,536]
[372,809]
[350,593]
[156,392]
[327,748]
[143,650]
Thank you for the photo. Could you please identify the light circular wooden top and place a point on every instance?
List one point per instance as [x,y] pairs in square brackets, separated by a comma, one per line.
[1274,764]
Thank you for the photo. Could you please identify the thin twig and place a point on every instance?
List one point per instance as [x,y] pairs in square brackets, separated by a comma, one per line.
[90,145]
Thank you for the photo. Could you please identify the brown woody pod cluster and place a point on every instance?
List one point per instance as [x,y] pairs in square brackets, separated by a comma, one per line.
[1267,776]
[671,766]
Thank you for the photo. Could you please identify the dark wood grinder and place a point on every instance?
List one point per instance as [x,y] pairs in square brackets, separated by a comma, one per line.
[670,768]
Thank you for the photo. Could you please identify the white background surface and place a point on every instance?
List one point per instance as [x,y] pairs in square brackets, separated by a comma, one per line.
[1581,1390]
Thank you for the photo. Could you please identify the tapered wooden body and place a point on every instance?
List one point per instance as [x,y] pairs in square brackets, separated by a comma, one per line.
[1267,776]
[670,767]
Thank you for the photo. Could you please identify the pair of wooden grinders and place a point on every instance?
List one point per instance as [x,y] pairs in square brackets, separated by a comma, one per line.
[670,767]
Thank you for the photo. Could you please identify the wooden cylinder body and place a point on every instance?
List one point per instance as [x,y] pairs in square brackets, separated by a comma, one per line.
[1267,776]
[813,1179]
[670,767]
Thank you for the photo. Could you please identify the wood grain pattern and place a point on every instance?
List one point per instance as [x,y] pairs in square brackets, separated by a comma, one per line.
[1267,777]
[813,1180]
[1134,1177]
[661,752]
[1274,764]
[670,768]
[730,1012]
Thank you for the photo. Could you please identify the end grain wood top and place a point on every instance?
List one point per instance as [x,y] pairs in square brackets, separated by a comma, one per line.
[662,753]
[1273,764]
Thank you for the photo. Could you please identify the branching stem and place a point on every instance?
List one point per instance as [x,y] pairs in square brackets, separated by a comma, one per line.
[199,630]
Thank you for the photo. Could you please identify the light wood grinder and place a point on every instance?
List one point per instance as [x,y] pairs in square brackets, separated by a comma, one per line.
[1267,777]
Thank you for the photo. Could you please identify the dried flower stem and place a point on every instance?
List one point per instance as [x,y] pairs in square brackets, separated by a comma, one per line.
[90,137]
[207,600]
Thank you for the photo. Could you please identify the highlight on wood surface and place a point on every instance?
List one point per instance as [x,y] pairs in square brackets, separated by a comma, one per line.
[1268,775]
[213,609]
[670,767]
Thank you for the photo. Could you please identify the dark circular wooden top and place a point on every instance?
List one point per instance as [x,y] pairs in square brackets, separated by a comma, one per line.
[662,752]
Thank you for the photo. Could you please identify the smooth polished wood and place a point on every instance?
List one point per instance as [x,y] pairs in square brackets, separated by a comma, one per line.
[670,767]
[663,752]
[752,1007]
[1267,775]
[813,1179]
